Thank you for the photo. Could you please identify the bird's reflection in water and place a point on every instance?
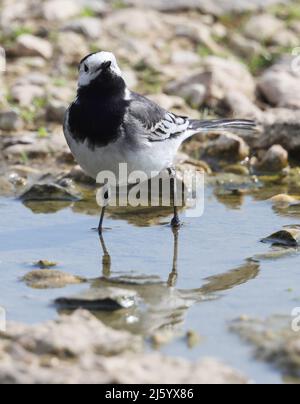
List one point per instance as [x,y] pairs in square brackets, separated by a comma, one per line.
[162,306]
[107,263]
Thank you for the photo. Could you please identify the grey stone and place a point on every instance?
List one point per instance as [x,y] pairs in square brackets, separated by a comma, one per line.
[26,93]
[240,106]
[78,175]
[194,94]
[168,102]
[90,27]
[10,121]
[245,46]
[6,187]
[280,84]
[60,10]
[217,7]
[55,111]
[280,126]
[35,78]
[98,7]
[32,146]
[285,38]
[72,46]
[29,45]
[48,192]
[185,58]
[275,160]
[289,236]
[263,27]
[138,23]
[218,76]
[226,147]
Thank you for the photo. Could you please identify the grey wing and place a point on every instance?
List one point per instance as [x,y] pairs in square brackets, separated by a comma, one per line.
[157,123]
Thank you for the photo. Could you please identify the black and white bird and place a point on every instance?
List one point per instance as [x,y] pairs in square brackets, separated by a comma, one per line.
[108,125]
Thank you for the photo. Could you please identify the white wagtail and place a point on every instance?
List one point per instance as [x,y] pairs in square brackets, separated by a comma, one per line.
[108,125]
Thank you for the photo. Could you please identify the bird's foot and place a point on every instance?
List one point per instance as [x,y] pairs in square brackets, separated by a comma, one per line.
[100,231]
[172,279]
[176,223]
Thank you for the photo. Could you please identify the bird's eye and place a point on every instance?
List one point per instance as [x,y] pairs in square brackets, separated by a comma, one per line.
[86,69]
[106,65]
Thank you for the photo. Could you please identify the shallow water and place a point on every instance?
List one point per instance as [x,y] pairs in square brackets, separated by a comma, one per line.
[224,271]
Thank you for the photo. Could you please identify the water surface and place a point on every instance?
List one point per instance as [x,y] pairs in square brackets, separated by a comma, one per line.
[223,269]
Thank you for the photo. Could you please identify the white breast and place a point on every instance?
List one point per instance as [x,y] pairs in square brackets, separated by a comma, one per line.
[150,158]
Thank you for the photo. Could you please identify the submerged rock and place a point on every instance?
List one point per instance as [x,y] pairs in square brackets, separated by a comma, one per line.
[193,339]
[49,279]
[289,236]
[100,299]
[284,200]
[159,339]
[43,264]
[49,192]
[276,253]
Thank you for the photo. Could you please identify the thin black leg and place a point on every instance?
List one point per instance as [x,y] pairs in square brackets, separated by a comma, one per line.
[174,274]
[175,223]
[106,260]
[100,227]
[106,201]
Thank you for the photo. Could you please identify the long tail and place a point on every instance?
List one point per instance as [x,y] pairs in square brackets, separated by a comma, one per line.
[228,125]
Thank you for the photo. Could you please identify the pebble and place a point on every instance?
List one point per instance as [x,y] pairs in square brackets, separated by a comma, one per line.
[10,121]
[29,45]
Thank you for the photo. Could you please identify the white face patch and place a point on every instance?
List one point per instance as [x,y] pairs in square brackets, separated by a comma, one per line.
[89,69]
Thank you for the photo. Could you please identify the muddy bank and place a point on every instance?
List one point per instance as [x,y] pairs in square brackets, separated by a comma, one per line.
[49,354]
[275,340]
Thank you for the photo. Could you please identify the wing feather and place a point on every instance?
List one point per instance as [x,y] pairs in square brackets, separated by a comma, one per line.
[158,123]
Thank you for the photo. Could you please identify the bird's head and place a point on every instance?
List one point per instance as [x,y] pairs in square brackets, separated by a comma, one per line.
[99,69]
